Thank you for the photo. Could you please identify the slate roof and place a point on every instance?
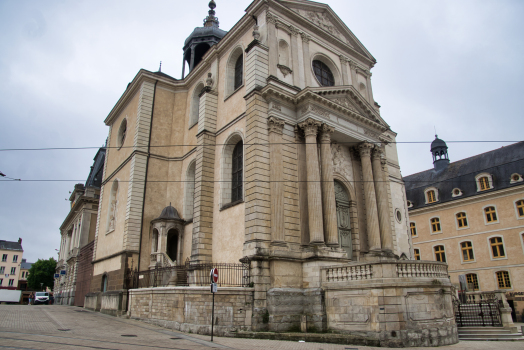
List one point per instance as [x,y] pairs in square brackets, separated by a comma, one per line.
[501,163]
[97,169]
[8,245]
[25,265]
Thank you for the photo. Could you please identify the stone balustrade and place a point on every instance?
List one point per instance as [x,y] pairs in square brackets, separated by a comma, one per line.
[422,269]
[389,269]
[161,259]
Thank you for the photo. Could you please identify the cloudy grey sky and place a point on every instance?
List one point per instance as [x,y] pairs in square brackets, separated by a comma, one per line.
[454,65]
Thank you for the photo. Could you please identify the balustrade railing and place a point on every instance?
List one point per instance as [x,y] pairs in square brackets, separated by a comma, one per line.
[349,273]
[421,269]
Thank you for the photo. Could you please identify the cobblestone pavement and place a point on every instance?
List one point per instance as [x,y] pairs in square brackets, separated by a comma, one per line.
[67,327]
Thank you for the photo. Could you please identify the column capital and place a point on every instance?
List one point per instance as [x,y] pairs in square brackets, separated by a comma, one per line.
[275,125]
[310,126]
[377,152]
[294,30]
[271,18]
[365,149]
[343,59]
[325,133]
[305,37]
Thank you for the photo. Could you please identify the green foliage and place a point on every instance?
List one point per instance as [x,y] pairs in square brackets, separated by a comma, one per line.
[42,271]
[265,317]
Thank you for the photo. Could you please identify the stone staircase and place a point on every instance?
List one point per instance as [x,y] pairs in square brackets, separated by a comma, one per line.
[489,334]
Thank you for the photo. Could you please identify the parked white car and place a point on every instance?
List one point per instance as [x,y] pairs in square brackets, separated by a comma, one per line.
[41,298]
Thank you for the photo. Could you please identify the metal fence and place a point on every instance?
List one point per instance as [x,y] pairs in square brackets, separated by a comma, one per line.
[478,312]
[191,274]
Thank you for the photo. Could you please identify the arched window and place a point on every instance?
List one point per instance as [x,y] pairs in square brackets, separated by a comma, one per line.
[195,105]
[154,241]
[413,229]
[497,247]
[239,72]
[112,209]
[237,172]
[122,131]
[323,73]
[435,225]
[473,281]
[467,251]
[104,283]
[491,214]
[503,280]
[283,53]
[462,220]
[440,254]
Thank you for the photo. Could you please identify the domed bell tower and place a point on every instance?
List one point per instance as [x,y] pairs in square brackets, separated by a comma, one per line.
[202,38]
[439,150]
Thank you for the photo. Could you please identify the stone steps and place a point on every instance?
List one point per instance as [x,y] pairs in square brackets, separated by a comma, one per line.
[488,334]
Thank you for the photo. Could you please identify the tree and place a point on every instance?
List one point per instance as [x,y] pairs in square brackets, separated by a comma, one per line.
[42,271]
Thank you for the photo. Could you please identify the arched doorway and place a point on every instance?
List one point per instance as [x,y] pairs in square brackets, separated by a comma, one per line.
[172,244]
[343,219]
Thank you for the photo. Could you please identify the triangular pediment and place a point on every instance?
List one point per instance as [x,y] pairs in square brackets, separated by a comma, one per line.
[323,17]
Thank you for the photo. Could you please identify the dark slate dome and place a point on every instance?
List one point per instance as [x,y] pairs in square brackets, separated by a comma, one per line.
[438,143]
[201,39]
[169,213]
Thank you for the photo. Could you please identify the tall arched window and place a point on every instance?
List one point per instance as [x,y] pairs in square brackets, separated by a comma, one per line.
[122,131]
[239,72]
[323,73]
[237,172]
[195,105]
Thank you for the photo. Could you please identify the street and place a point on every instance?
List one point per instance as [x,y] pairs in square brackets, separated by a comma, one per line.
[68,327]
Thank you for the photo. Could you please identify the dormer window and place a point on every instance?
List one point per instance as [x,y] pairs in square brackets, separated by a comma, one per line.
[456,192]
[515,178]
[484,182]
[431,195]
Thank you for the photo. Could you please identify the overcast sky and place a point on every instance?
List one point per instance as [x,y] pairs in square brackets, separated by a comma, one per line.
[454,65]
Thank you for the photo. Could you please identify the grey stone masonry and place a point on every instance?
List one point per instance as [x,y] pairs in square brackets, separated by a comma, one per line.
[256,66]
[201,249]
[207,112]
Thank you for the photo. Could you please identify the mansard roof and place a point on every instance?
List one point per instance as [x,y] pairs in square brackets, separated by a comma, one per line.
[500,163]
[8,245]
[97,169]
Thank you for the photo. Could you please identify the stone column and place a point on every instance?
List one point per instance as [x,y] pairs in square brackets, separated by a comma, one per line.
[370,197]
[192,63]
[382,200]
[271,21]
[344,64]
[276,176]
[305,52]
[329,206]
[302,185]
[353,73]
[314,193]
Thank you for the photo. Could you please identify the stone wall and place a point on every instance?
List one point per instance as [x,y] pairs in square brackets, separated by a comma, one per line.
[188,309]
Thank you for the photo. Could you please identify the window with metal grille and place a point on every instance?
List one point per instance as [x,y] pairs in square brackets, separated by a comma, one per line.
[503,280]
[484,183]
[467,251]
[462,221]
[237,172]
[491,214]
[413,229]
[520,208]
[473,281]
[323,73]
[239,72]
[440,254]
[417,254]
[435,225]
[431,196]
[497,247]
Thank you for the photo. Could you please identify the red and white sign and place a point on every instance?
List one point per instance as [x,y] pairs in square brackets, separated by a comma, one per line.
[214,275]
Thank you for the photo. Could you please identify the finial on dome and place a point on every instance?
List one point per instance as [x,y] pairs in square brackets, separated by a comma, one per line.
[160,68]
[211,20]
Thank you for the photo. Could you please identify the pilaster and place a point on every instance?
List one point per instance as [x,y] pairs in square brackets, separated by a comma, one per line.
[201,249]
[344,64]
[271,20]
[294,55]
[207,111]
[275,126]
[316,223]
[382,200]
[257,65]
[305,52]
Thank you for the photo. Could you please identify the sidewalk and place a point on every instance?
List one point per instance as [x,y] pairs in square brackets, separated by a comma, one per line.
[66,327]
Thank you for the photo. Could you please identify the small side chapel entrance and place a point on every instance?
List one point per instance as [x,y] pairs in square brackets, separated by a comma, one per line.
[343,219]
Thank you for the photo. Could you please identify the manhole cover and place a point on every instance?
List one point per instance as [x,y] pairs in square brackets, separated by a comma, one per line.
[128,335]
[63,329]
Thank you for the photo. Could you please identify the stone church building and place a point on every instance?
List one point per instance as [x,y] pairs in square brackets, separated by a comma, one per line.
[270,150]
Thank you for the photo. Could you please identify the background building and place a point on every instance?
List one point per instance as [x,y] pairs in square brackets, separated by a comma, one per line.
[22,281]
[11,254]
[78,233]
[470,214]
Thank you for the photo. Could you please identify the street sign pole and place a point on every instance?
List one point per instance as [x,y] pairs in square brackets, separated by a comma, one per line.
[214,280]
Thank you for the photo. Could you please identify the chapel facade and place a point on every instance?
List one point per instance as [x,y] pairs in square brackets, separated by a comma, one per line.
[271,151]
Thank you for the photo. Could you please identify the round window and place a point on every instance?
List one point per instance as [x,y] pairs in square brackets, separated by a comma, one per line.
[516,177]
[323,73]
[398,214]
[456,192]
